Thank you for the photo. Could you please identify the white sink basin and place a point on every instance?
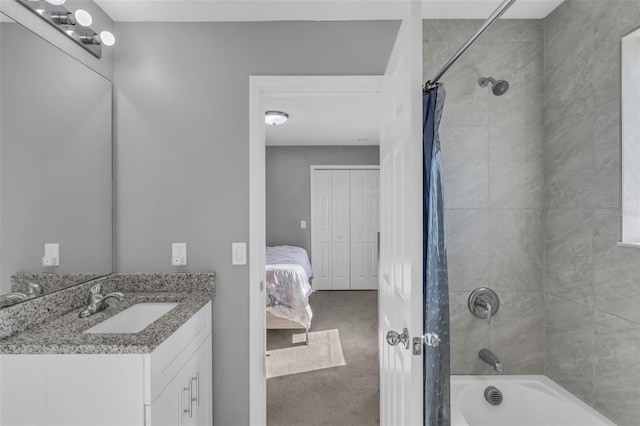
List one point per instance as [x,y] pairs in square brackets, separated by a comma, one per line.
[133,319]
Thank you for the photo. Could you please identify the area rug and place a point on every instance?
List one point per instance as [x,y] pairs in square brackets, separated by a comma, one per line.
[324,351]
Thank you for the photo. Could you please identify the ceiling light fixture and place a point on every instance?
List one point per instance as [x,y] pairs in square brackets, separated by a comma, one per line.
[55,2]
[275,118]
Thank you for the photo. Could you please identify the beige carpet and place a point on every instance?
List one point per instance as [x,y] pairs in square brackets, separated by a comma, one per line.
[323,351]
[345,395]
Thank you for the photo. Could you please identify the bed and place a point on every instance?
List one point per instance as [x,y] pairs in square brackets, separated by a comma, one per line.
[288,288]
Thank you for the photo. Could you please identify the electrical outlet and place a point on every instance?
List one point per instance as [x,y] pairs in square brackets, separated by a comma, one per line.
[51,255]
[178,254]
[303,224]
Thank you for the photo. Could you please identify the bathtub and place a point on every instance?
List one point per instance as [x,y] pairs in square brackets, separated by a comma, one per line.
[527,401]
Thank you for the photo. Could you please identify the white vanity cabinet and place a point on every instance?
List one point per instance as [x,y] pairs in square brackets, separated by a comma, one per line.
[172,385]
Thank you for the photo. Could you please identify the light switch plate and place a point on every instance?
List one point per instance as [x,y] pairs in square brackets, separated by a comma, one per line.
[303,224]
[238,253]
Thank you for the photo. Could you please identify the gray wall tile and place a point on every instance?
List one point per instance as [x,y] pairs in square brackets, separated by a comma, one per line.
[516,167]
[569,254]
[569,155]
[616,270]
[607,185]
[465,164]
[468,335]
[516,250]
[568,45]
[617,371]
[454,31]
[582,172]
[467,252]
[467,102]
[517,332]
[569,345]
[493,167]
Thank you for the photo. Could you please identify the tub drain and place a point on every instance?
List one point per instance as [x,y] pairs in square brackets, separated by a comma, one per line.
[493,395]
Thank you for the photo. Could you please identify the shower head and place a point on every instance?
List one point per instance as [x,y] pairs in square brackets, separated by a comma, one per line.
[498,88]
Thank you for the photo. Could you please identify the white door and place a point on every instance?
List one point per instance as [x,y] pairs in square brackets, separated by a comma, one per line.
[341,248]
[365,202]
[321,229]
[401,394]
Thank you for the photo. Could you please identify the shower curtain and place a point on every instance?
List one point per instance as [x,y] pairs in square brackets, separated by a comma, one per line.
[435,278]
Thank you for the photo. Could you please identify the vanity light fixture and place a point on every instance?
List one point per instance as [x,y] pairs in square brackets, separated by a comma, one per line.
[93,39]
[74,24]
[275,118]
[107,38]
[62,18]
[83,17]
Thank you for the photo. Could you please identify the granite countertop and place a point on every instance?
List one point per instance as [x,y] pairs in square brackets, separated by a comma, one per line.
[64,334]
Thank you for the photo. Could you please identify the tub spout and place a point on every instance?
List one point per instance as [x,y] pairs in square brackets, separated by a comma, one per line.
[487,356]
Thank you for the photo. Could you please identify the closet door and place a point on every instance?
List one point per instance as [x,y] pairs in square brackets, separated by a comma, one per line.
[340,232]
[321,230]
[365,201]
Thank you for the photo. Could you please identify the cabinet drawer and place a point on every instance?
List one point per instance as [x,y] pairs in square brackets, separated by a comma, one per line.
[165,361]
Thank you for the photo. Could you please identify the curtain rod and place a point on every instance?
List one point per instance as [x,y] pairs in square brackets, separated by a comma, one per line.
[506,4]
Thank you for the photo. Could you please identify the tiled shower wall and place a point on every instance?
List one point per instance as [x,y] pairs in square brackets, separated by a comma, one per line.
[592,287]
[493,157]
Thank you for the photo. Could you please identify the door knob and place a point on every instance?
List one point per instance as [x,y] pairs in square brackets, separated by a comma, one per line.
[394,338]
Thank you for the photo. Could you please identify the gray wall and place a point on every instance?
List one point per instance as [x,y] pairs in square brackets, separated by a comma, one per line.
[182,152]
[493,186]
[288,186]
[592,287]
[101,21]
[55,158]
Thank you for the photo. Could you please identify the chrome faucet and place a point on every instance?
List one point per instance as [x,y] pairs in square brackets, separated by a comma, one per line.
[487,356]
[16,295]
[97,302]
[35,289]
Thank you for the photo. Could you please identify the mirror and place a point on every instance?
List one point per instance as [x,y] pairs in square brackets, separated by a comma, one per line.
[55,166]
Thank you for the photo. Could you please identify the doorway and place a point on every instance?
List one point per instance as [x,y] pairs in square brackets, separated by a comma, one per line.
[262,88]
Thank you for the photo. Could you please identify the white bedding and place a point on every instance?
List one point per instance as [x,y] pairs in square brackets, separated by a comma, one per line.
[288,292]
[288,287]
[290,255]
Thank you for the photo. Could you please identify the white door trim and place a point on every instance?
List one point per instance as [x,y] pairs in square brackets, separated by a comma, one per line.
[260,88]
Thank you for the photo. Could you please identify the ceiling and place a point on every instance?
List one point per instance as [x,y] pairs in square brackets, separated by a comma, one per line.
[312,10]
[336,118]
[326,119]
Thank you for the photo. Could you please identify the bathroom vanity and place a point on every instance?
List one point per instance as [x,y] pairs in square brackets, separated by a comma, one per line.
[57,372]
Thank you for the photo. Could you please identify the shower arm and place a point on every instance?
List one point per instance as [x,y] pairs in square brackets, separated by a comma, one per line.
[506,4]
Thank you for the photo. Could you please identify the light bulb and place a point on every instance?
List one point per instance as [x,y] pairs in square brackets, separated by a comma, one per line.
[83,17]
[55,2]
[107,38]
